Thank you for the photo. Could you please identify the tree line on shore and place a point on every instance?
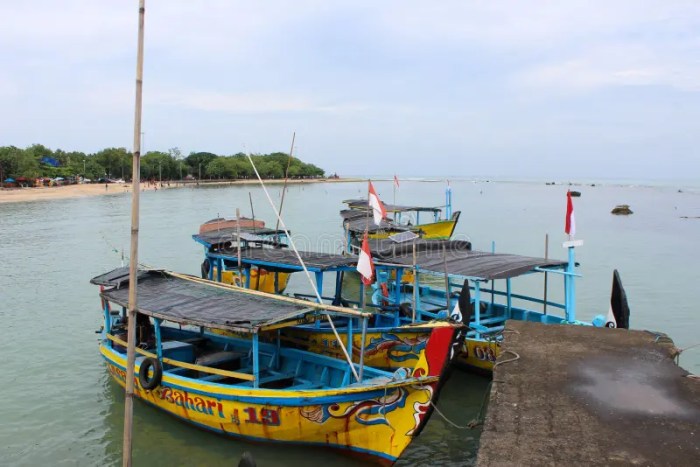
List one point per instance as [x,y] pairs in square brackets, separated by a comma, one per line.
[39,161]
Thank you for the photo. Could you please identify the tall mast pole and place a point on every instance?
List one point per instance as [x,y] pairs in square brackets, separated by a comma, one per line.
[133,259]
[286,177]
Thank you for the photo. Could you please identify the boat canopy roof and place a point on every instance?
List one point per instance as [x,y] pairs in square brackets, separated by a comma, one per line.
[476,265]
[362,223]
[387,249]
[248,234]
[192,301]
[285,260]
[363,205]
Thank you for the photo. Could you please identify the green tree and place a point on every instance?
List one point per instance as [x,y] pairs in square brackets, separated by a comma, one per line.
[197,160]
[116,162]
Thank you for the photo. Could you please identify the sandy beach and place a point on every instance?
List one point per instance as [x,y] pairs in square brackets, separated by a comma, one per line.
[17,195]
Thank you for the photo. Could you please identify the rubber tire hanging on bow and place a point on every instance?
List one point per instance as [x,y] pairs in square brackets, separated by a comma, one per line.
[206,267]
[146,365]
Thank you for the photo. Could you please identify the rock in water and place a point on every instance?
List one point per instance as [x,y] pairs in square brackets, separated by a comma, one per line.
[622,210]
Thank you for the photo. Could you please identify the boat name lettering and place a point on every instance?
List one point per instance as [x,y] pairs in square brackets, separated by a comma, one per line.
[484,353]
[188,402]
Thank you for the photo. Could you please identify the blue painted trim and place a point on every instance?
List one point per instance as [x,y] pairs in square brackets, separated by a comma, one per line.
[262,399]
[159,340]
[571,295]
[319,284]
[273,264]
[108,318]
[477,306]
[256,361]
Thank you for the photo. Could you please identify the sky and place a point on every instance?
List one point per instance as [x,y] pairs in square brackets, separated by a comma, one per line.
[536,89]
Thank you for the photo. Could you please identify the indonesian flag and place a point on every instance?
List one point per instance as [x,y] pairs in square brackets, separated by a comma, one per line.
[570,227]
[365,266]
[377,206]
[396,181]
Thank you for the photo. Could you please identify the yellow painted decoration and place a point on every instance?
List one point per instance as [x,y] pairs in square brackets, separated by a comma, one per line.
[388,349]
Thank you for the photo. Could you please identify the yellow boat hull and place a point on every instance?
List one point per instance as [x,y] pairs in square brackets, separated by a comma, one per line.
[440,230]
[478,355]
[377,421]
[260,279]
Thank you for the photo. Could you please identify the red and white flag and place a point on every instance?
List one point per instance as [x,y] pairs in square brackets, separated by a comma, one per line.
[365,266]
[378,211]
[396,181]
[570,227]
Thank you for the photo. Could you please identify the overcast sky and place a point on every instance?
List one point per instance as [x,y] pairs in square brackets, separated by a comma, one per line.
[557,89]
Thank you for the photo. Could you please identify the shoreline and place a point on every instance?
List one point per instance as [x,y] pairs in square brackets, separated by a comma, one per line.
[20,195]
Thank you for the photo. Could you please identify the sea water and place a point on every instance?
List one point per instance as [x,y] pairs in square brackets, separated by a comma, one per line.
[59,407]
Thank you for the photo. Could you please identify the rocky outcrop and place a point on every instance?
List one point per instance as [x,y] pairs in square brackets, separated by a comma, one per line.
[622,210]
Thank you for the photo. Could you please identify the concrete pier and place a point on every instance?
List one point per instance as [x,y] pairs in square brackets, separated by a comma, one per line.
[576,395]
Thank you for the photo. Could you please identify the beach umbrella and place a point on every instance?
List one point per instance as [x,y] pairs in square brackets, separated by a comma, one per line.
[9,180]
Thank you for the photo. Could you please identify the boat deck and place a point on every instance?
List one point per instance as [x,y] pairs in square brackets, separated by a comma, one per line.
[580,395]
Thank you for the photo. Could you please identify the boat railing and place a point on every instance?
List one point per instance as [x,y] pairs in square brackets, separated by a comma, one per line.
[189,366]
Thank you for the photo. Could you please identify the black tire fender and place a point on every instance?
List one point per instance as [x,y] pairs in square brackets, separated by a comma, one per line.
[153,382]
[206,267]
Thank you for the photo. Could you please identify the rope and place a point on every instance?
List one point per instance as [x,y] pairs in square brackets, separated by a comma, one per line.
[303,265]
[477,421]
[680,351]
[517,357]
[466,427]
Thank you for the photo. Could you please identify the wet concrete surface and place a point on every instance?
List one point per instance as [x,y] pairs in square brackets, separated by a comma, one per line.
[590,396]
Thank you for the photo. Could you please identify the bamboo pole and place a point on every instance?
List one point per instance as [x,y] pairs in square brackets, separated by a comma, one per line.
[252,211]
[133,259]
[286,177]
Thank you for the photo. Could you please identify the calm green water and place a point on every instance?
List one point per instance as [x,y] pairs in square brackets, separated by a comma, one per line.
[58,407]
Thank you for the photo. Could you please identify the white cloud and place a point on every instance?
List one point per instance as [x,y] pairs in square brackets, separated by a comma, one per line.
[249,103]
[617,65]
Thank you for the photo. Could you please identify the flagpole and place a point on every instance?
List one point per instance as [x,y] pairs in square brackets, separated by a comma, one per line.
[362,284]
[546,258]
[133,259]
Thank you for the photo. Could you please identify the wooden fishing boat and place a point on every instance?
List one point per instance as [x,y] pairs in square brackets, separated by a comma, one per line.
[479,285]
[264,391]
[391,340]
[221,248]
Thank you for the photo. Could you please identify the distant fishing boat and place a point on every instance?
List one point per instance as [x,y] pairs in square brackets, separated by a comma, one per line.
[221,260]
[264,391]
[356,221]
